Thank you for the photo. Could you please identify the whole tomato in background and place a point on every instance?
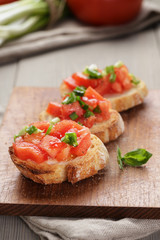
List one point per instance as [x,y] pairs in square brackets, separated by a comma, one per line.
[105,12]
[6,1]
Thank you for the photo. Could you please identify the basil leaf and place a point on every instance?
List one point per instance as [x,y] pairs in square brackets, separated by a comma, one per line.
[70,138]
[93,72]
[52,122]
[110,70]
[70,99]
[137,157]
[73,116]
[32,129]
[97,109]
[88,113]
[79,91]
[82,104]
[134,80]
[119,158]
[80,123]
[119,64]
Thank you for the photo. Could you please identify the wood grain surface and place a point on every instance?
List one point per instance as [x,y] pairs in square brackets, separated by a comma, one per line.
[133,192]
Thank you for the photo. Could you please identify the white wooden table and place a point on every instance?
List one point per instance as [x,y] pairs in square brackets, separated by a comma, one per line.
[141,53]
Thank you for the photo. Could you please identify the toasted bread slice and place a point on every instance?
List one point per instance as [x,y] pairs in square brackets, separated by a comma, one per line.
[107,130]
[74,170]
[120,102]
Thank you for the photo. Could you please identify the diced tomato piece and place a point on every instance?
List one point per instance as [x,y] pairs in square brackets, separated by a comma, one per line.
[83,80]
[52,145]
[54,109]
[104,106]
[67,109]
[91,93]
[84,142]
[44,125]
[25,151]
[88,122]
[91,102]
[126,83]
[104,87]
[117,87]
[70,82]
[34,138]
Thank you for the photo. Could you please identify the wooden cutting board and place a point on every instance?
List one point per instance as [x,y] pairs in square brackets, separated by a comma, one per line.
[134,192]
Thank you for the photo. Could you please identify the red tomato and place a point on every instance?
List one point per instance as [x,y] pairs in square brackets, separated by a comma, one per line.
[54,109]
[52,145]
[91,93]
[104,87]
[83,80]
[34,138]
[70,82]
[104,12]
[84,142]
[64,154]
[117,87]
[67,109]
[91,102]
[88,122]
[25,151]
[44,125]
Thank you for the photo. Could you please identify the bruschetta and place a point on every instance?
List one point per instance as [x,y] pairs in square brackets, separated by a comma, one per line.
[56,151]
[115,83]
[88,108]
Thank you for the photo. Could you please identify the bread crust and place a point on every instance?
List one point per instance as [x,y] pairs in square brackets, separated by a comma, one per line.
[107,131]
[120,102]
[74,170]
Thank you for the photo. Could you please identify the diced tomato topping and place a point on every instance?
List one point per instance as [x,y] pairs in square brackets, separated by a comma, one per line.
[88,122]
[54,109]
[44,125]
[91,102]
[84,142]
[25,151]
[70,82]
[34,138]
[67,109]
[91,93]
[64,154]
[83,80]
[104,87]
[52,145]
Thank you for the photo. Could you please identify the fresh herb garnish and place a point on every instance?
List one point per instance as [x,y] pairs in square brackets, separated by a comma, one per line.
[134,80]
[79,91]
[110,70]
[92,72]
[27,129]
[52,122]
[82,104]
[134,158]
[80,123]
[70,138]
[118,64]
[88,114]
[70,99]
[73,116]
[97,109]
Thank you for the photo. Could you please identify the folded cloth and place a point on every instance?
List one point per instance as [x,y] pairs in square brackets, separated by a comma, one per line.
[71,32]
[91,229]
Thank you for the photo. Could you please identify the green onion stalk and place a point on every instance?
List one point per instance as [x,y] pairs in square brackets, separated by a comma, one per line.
[26,16]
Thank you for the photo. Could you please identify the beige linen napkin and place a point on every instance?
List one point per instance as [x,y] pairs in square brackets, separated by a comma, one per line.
[91,229]
[71,32]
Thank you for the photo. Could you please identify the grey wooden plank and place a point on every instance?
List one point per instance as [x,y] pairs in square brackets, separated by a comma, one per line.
[7,80]
[139,52]
[13,228]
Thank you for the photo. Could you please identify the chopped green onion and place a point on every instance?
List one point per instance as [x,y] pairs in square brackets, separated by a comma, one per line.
[110,70]
[92,72]
[88,114]
[32,129]
[119,64]
[79,91]
[134,80]
[82,104]
[52,122]
[70,99]
[80,123]
[73,116]
[70,138]
[97,109]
